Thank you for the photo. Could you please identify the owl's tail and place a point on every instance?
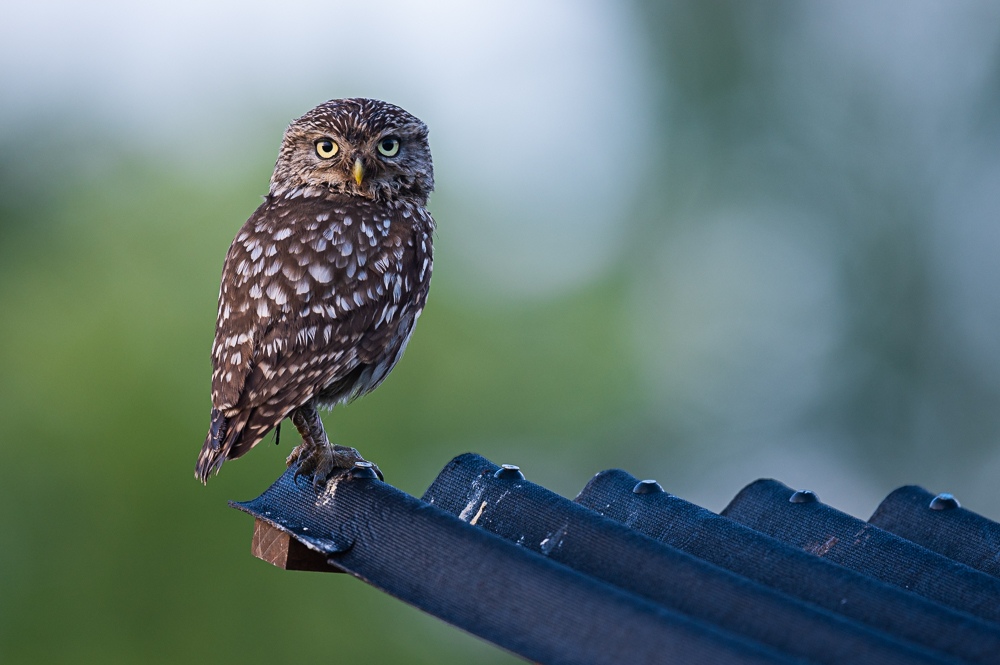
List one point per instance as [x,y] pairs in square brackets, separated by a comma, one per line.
[222,433]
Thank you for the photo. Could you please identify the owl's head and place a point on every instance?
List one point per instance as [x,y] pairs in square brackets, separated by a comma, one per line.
[359,147]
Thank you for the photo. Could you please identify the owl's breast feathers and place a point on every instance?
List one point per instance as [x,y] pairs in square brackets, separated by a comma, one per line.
[318,298]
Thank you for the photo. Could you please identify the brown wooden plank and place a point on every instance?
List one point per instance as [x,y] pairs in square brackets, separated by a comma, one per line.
[278,548]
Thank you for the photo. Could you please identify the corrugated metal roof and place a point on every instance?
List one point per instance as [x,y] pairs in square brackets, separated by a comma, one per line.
[630,573]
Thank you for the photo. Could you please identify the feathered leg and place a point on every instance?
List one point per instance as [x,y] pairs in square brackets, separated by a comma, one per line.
[315,455]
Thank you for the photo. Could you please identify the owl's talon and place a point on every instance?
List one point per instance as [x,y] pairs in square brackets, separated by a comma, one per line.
[320,462]
[293,457]
[346,457]
[314,461]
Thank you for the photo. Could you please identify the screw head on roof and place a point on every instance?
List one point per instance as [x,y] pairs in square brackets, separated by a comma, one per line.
[803,496]
[363,470]
[509,472]
[647,487]
[944,501]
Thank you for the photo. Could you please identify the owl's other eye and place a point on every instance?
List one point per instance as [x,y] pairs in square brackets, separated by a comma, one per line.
[326,148]
[389,146]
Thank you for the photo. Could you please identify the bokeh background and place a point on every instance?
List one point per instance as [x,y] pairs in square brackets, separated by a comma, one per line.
[704,241]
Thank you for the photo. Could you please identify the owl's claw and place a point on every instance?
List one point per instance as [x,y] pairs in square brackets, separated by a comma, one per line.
[315,461]
[350,456]
[324,460]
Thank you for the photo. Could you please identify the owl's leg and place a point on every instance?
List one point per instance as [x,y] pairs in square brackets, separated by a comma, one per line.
[315,455]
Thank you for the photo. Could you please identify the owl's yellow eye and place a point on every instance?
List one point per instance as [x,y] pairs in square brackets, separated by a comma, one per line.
[326,148]
[389,146]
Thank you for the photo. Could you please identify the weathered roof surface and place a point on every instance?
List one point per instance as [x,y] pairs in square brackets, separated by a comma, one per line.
[825,531]
[789,569]
[630,573]
[941,525]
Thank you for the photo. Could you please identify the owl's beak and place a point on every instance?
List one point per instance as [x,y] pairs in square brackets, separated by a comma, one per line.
[358,171]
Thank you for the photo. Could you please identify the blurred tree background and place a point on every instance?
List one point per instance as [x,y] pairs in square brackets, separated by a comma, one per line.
[705,241]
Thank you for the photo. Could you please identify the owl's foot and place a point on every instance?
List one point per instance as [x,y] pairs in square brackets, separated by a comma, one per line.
[316,457]
[323,460]
[314,460]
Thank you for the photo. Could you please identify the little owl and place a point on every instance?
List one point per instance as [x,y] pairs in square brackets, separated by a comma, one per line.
[324,283]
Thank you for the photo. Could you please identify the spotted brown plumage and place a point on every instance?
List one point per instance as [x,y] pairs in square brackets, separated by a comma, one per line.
[324,283]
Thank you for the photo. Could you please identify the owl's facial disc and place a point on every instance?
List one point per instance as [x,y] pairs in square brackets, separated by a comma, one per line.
[356,147]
